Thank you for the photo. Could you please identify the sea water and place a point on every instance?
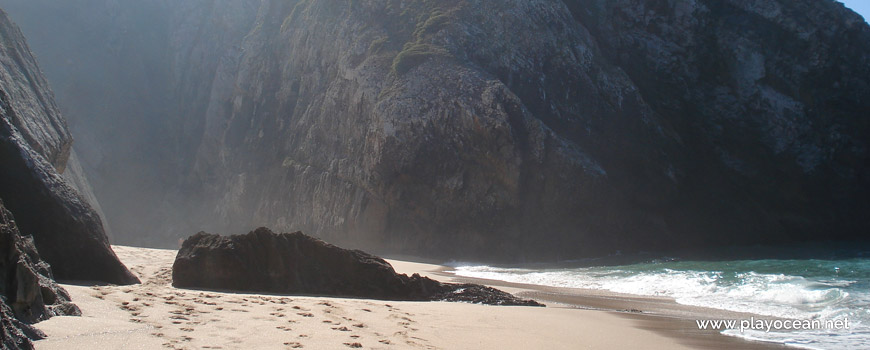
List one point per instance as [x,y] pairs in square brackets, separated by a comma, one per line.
[788,289]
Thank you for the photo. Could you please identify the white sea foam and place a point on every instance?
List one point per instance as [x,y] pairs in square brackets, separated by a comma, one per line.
[776,295]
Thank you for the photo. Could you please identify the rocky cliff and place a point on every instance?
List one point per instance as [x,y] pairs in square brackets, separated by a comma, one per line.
[502,129]
[35,147]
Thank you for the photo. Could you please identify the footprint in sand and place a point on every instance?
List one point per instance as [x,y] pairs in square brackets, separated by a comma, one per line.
[293,344]
[305,314]
[200,301]
[341,329]
[353,345]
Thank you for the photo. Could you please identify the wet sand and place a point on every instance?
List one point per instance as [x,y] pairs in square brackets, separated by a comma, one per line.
[659,314]
[155,315]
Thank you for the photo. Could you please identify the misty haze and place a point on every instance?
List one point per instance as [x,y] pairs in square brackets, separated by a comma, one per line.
[455,174]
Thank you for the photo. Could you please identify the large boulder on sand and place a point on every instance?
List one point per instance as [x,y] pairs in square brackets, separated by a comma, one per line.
[294,263]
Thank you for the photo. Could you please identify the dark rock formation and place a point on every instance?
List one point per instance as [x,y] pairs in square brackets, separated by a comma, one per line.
[28,291]
[14,334]
[29,287]
[34,149]
[518,129]
[293,263]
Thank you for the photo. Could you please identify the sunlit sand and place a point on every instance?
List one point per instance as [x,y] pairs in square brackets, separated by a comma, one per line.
[156,315]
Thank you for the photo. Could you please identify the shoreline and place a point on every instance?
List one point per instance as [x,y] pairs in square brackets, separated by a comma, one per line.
[662,315]
[155,315]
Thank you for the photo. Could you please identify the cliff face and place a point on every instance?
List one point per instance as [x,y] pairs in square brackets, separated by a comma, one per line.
[34,150]
[519,129]
[770,100]
[424,126]
[40,122]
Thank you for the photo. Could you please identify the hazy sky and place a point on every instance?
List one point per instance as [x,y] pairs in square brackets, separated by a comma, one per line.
[860,6]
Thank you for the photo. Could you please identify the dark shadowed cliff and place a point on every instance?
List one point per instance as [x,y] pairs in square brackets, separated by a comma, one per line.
[35,149]
[502,129]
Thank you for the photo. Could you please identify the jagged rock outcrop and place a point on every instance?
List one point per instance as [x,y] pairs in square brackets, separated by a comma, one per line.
[294,263]
[14,334]
[34,149]
[521,129]
[28,291]
[28,284]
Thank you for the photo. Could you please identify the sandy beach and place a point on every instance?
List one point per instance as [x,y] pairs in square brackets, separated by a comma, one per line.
[155,315]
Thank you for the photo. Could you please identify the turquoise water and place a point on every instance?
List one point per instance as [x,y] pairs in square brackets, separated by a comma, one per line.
[788,289]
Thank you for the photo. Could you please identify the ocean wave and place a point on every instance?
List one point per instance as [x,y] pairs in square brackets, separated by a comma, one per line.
[728,286]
